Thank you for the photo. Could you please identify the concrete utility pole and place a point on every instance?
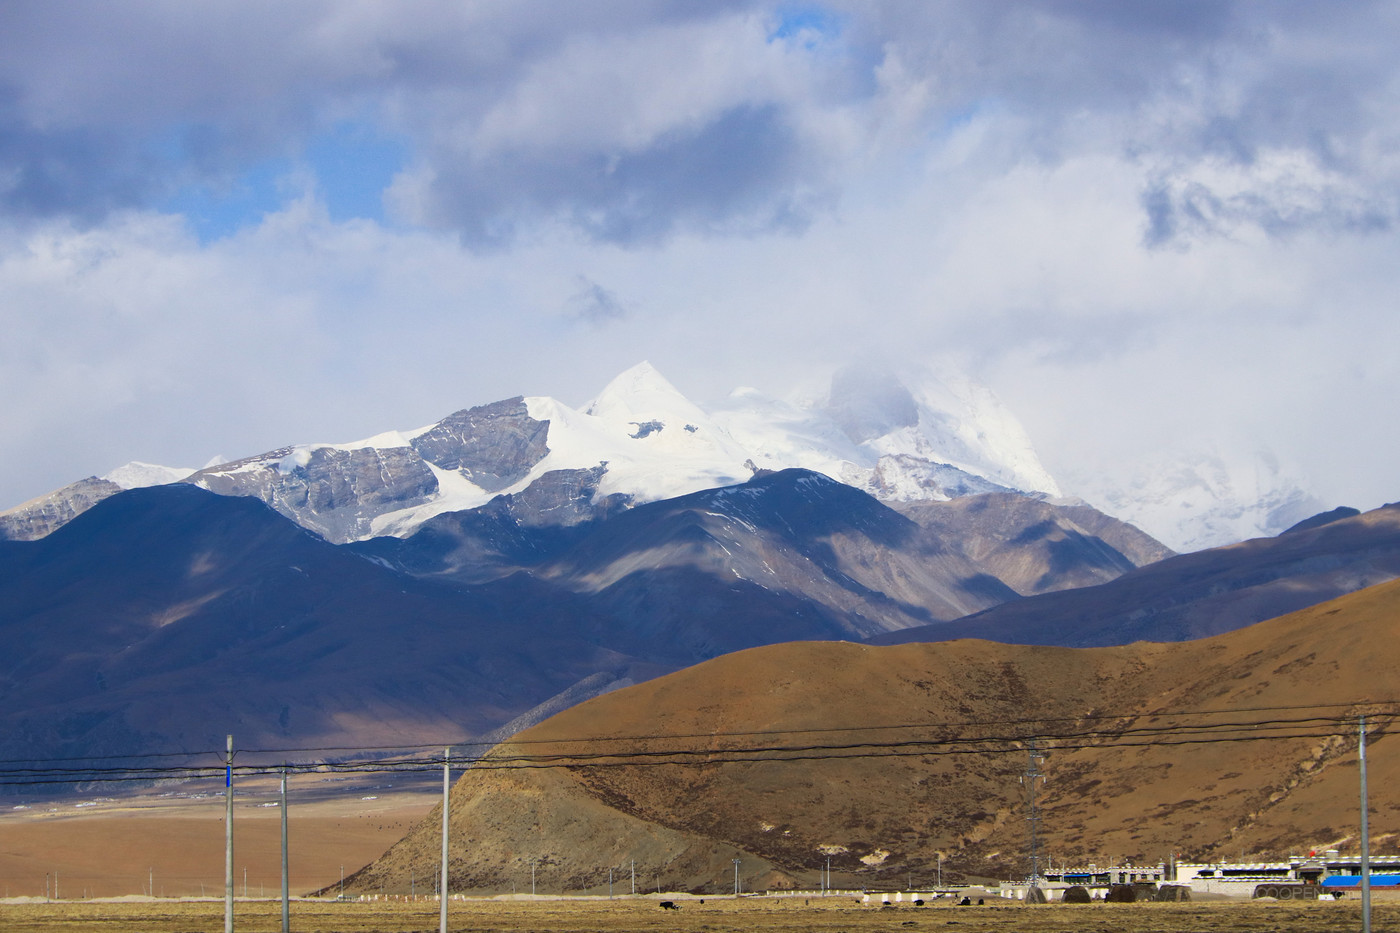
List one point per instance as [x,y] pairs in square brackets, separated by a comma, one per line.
[286,886]
[736,877]
[228,837]
[1365,836]
[446,786]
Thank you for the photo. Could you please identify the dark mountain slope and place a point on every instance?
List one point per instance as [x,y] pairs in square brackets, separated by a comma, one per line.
[792,532]
[1200,594]
[169,616]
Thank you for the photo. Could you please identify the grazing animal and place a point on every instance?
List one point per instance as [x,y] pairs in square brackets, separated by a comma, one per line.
[670,905]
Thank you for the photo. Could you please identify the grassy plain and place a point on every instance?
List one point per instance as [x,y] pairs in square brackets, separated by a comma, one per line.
[715,915]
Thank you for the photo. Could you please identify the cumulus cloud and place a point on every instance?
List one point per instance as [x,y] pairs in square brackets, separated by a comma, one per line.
[1140,222]
[631,122]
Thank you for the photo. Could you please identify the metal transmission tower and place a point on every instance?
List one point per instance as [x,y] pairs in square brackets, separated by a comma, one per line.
[1029,779]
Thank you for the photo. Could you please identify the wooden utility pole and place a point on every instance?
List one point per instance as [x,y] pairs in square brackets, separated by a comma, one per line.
[1365,837]
[442,888]
[228,837]
[286,886]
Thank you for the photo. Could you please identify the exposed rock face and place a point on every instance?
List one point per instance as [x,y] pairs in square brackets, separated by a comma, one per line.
[561,497]
[37,517]
[340,491]
[336,493]
[493,445]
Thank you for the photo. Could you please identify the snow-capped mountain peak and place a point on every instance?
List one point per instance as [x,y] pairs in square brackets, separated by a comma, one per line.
[641,394]
[980,434]
[137,475]
[927,436]
[640,439]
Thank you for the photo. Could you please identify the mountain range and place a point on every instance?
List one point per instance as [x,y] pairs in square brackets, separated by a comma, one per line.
[164,617]
[541,555]
[901,437]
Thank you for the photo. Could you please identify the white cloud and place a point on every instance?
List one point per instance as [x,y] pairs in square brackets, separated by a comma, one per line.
[1141,223]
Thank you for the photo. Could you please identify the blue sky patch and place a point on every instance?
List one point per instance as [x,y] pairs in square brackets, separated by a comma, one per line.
[353,165]
[215,213]
[350,167]
[794,21]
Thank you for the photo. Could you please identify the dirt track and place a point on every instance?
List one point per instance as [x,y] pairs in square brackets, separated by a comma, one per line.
[716,915]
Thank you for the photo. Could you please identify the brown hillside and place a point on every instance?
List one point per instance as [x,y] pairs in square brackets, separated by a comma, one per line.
[883,818]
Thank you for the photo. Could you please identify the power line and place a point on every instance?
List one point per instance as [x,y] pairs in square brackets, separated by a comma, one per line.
[1307,727]
[947,724]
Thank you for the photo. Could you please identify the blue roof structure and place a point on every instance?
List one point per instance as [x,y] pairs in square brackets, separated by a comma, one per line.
[1354,881]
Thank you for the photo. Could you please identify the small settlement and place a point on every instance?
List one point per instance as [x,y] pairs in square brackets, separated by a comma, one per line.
[1316,875]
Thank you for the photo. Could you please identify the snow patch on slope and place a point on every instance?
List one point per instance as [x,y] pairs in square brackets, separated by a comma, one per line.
[456,493]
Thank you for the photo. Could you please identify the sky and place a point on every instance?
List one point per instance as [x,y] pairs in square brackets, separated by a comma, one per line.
[1150,227]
